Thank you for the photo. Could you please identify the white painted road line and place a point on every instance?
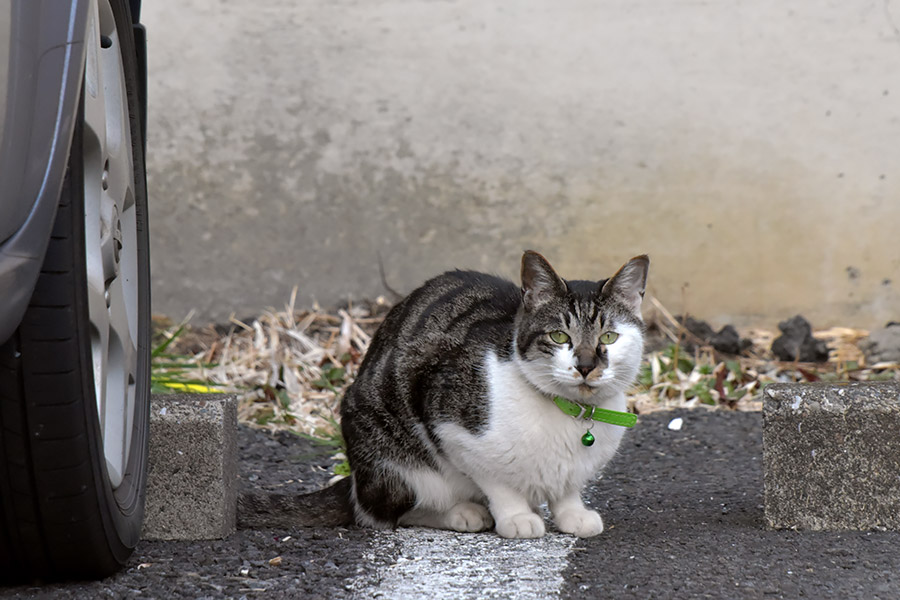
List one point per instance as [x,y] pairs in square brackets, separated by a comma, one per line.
[443,564]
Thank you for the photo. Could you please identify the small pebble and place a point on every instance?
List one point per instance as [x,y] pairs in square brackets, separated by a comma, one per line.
[676,424]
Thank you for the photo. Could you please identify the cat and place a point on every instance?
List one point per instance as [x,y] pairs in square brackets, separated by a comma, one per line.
[465,412]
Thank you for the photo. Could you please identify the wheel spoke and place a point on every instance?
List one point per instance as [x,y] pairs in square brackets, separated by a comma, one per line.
[121,179]
[99,345]
[119,166]
[94,98]
[119,378]
[128,270]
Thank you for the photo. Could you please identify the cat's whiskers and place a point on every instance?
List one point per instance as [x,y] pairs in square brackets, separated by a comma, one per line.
[553,380]
[539,375]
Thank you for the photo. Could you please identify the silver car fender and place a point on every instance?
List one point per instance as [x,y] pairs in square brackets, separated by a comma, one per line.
[39,94]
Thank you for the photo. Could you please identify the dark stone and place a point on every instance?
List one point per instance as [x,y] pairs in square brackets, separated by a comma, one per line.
[700,329]
[726,340]
[797,342]
[882,345]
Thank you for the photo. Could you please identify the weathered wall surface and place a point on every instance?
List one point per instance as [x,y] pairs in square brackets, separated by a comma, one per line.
[750,148]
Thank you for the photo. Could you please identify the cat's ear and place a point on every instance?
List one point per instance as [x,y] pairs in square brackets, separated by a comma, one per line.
[629,282]
[540,283]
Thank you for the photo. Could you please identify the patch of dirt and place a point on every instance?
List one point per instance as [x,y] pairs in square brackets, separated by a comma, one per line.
[282,462]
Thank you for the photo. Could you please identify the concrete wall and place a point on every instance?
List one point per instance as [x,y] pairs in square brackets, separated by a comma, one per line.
[751,148]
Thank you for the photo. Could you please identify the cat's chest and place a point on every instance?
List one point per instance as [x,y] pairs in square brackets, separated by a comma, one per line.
[528,441]
[538,425]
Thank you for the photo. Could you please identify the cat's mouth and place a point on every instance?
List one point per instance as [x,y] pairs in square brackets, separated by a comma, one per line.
[588,386]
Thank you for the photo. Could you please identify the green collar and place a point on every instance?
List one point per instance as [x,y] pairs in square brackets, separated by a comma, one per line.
[604,415]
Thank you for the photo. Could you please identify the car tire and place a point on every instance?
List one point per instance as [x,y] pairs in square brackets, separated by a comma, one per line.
[75,376]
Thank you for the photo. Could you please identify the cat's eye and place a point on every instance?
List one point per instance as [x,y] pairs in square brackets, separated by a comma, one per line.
[608,337]
[560,337]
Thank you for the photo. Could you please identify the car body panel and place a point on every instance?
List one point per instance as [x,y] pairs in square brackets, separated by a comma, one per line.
[44,62]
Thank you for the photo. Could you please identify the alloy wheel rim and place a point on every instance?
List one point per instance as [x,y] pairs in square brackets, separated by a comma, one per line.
[110,238]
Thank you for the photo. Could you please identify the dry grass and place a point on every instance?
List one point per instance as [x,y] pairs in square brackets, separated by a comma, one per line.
[291,367]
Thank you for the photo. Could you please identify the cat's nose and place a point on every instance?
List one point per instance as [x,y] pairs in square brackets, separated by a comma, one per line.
[584,368]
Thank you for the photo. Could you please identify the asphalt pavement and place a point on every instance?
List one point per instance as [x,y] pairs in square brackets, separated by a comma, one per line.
[683,511]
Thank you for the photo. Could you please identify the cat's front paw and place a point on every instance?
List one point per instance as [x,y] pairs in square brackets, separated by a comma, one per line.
[468,516]
[523,525]
[581,522]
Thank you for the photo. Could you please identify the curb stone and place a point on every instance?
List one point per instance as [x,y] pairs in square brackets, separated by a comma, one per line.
[831,456]
[192,467]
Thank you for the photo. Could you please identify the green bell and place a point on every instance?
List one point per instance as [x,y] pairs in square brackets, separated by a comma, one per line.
[587,439]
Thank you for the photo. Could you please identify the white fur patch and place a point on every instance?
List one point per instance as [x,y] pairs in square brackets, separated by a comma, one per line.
[439,491]
[530,445]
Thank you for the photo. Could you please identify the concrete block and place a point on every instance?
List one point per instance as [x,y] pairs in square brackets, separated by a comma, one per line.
[831,455]
[192,478]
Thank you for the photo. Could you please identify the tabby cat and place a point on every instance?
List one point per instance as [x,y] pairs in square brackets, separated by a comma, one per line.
[478,401]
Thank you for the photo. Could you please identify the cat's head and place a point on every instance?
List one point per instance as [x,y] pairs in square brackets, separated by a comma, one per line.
[582,340]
